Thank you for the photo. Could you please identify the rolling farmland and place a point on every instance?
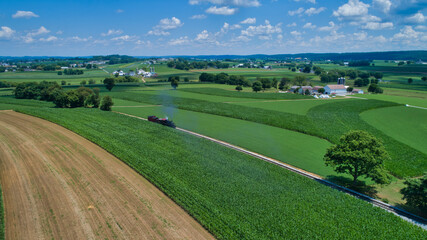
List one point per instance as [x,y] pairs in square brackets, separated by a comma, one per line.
[231,208]
[72,189]
[235,196]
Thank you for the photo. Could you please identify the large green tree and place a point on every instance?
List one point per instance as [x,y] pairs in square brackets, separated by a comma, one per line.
[359,154]
[109,83]
[415,193]
[174,83]
[257,86]
[106,103]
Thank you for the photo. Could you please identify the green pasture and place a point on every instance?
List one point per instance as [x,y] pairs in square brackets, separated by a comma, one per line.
[231,92]
[405,124]
[39,76]
[411,97]
[126,67]
[232,195]
[300,150]
[196,96]
[300,107]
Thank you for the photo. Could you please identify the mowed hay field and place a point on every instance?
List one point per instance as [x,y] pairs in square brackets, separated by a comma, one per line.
[58,185]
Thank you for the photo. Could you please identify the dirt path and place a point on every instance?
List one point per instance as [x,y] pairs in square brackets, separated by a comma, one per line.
[58,185]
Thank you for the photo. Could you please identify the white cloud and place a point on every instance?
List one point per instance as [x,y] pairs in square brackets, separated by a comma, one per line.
[200,16]
[294,24]
[112,32]
[125,38]
[169,23]
[313,11]
[380,39]
[59,32]
[241,39]
[48,39]
[235,26]
[165,24]
[249,21]
[28,39]
[179,41]
[295,33]
[24,14]
[377,25]
[202,36]
[147,43]
[360,36]
[6,32]
[40,31]
[262,31]
[221,10]
[408,33]
[79,39]
[157,32]
[309,25]
[120,11]
[416,18]
[296,12]
[352,10]
[238,3]
[330,27]
[383,5]
[421,27]
[311,1]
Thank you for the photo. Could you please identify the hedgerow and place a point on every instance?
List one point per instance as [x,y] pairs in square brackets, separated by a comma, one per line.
[231,194]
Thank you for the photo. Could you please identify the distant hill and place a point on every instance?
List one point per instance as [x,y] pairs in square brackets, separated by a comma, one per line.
[394,55]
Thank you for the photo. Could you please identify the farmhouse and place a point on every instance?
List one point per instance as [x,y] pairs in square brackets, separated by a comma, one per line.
[335,89]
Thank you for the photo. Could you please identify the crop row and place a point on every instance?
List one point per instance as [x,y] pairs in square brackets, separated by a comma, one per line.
[233,195]
[328,121]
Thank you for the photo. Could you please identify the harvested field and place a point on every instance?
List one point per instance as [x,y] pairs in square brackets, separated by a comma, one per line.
[58,185]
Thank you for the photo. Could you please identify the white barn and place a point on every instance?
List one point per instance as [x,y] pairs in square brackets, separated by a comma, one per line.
[335,89]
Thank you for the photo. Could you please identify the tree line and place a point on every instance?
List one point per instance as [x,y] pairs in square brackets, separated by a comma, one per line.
[53,92]
[182,64]
[71,72]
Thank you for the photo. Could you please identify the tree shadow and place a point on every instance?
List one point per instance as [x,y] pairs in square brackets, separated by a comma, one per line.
[359,186]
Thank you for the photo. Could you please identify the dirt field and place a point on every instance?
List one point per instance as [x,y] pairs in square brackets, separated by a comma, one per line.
[58,185]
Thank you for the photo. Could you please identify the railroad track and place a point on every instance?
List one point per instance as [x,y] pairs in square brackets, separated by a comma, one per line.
[395,210]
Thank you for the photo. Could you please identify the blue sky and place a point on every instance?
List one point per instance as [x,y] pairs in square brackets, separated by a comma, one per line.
[209,27]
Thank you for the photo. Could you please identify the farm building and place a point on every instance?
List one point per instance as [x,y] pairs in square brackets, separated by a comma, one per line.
[302,89]
[316,89]
[357,91]
[293,88]
[335,89]
[120,73]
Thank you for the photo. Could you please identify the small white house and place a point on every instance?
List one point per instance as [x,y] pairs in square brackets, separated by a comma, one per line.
[335,89]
